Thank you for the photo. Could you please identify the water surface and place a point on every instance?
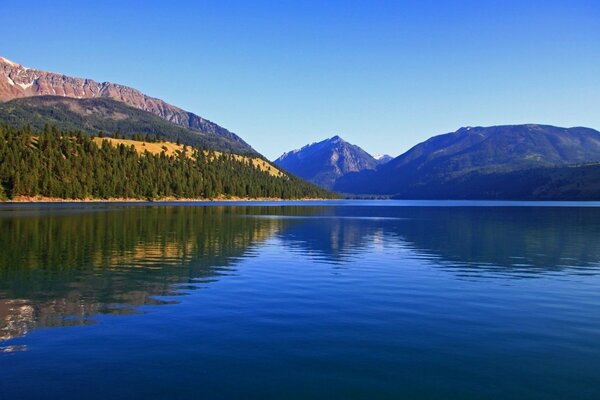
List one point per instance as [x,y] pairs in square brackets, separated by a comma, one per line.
[332,300]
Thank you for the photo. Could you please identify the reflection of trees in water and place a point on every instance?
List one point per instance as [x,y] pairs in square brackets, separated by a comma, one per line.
[60,269]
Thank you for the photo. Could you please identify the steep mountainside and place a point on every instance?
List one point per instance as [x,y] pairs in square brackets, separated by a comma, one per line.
[469,153]
[17,81]
[324,162]
[105,115]
[571,182]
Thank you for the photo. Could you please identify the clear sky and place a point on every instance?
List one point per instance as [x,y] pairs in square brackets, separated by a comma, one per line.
[383,75]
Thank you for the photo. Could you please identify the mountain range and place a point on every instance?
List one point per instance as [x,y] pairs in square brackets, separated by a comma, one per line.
[19,82]
[46,154]
[484,162]
[323,163]
[527,161]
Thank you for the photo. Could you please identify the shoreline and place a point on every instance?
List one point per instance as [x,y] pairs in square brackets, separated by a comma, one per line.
[41,199]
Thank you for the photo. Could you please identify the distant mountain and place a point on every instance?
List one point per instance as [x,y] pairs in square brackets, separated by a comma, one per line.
[571,182]
[17,81]
[382,158]
[484,162]
[324,162]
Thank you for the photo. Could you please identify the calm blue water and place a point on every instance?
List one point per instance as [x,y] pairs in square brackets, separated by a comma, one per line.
[331,300]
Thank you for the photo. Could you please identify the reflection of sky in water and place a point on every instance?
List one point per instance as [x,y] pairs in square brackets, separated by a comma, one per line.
[377,301]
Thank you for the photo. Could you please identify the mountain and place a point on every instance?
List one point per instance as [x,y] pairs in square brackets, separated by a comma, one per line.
[17,81]
[481,162]
[105,115]
[324,162]
[382,158]
[571,182]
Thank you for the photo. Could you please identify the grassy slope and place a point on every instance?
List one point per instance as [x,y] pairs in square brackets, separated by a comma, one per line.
[172,149]
[169,149]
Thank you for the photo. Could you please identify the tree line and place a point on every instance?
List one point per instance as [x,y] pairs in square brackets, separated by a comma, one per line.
[71,165]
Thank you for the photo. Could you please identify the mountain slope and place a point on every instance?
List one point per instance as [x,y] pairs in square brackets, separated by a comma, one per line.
[470,153]
[571,182]
[70,165]
[105,115]
[17,81]
[324,162]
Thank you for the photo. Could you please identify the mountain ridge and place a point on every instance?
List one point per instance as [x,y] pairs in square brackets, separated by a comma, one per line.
[472,152]
[108,116]
[18,81]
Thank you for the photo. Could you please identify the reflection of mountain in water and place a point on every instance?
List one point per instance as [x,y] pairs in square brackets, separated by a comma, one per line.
[332,238]
[515,241]
[478,240]
[62,267]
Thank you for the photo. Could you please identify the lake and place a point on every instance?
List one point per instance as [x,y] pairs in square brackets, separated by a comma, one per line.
[329,300]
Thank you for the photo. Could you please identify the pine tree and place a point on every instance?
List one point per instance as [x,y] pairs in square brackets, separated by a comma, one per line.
[72,165]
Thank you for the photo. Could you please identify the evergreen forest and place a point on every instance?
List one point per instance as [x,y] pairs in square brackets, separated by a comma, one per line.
[72,165]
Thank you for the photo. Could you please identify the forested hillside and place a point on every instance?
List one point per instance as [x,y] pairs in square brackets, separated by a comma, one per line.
[72,165]
[94,116]
[488,162]
[571,182]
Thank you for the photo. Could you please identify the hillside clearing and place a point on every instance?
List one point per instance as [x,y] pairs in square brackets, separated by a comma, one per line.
[172,149]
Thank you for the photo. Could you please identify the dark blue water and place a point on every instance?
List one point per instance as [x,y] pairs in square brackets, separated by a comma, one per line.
[340,300]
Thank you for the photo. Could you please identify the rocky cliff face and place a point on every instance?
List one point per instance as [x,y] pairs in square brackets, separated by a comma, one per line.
[324,162]
[17,81]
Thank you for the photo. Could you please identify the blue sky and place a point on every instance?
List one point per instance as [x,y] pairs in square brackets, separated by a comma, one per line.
[383,75]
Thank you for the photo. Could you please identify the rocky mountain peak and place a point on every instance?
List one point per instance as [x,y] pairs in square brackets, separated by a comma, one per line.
[7,61]
[17,81]
[324,162]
